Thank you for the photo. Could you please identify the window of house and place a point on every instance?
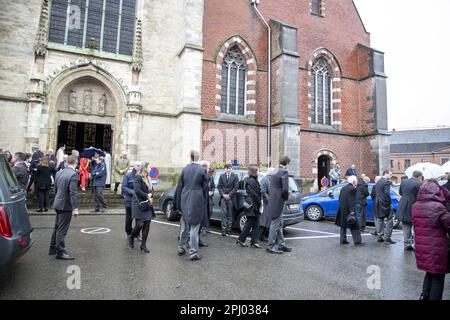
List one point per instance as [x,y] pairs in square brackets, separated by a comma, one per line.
[423,160]
[407,163]
[233,83]
[321,89]
[315,7]
[392,164]
[444,160]
[109,23]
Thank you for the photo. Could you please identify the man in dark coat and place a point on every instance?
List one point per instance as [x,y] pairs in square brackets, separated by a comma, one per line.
[362,192]
[374,207]
[347,204]
[36,158]
[66,206]
[98,183]
[383,205]
[128,193]
[265,220]
[408,190]
[228,187]
[351,171]
[190,199]
[278,195]
[20,170]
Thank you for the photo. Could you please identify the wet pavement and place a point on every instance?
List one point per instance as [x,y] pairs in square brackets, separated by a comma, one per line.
[318,267]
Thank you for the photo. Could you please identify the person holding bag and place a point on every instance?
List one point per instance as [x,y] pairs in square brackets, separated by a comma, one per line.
[252,205]
[141,207]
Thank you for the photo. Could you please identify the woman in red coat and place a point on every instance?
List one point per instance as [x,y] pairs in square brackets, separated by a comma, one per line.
[84,172]
[431,220]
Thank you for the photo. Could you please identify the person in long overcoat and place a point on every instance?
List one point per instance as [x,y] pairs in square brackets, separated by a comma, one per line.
[265,219]
[408,190]
[43,183]
[347,206]
[143,191]
[383,210]
[192,203]
[254,199]
[205,221]
[121,167]
[362,192]
[278,195]
[431,221]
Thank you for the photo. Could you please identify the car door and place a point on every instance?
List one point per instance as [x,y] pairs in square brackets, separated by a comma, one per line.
[330,201]
[216,198]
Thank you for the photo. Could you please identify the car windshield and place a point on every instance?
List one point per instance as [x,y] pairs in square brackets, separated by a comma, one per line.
[10,180]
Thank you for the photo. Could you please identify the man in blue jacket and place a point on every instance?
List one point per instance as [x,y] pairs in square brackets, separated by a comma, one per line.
[98,184]
[128,193]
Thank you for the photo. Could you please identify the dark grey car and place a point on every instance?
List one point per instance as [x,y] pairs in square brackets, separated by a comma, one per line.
[15,227]
[292,214]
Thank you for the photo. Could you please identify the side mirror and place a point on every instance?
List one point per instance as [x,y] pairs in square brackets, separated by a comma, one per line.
[331,195]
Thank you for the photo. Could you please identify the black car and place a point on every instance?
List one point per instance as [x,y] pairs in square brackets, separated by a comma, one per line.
[15,227]
[292,213]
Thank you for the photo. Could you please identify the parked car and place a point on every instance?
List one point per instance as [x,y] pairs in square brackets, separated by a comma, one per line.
[292,213]
[324,204]
[15,227]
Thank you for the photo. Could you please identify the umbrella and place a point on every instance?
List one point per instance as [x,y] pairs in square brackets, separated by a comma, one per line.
[446,167]
[428,169]
[89,152]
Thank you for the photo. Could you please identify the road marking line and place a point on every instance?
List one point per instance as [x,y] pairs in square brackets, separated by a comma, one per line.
[309,230]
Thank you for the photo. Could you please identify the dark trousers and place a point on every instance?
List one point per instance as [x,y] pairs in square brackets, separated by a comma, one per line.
[433,286]
[33,179]
[356,235]
[128,220]
[116,185]
[62,224]
[145,227]
[251,223]
[42,196]
[361,215]
[99,199]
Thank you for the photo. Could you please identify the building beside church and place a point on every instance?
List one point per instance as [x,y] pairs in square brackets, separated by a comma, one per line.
[159,78]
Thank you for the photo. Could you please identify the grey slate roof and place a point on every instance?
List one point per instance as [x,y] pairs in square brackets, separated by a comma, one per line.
[419,141]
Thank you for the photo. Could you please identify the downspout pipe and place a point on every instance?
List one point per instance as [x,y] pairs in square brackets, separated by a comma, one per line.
[269,86]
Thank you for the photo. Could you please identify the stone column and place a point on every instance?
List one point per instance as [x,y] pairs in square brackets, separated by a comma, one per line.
[285,77]
[34,111]
[132,117]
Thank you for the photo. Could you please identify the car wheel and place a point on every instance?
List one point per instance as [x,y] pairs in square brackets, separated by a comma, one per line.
[314,213]
[242,219]
[171,215]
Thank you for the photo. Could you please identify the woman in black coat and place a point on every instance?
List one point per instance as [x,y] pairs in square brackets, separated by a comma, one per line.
[43,183]
[253,198]
[143,192]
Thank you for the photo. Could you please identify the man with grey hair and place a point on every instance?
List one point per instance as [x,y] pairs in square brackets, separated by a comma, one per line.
[346,216]
[190,200]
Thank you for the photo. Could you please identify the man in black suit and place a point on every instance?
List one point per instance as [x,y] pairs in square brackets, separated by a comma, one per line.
[20,170]
[383,207]
[278,195]
[347,206]
[66,206]
[408,190]
[228,187]
[351,171]
[362,192]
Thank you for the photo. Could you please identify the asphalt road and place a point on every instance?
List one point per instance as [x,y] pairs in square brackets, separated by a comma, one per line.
[318,268]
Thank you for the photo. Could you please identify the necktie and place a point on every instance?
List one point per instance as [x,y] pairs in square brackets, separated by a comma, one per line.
[228,176]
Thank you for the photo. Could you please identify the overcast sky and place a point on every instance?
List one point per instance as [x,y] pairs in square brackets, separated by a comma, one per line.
[415,36]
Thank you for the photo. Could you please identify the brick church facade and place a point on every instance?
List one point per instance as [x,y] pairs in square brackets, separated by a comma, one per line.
[159,78]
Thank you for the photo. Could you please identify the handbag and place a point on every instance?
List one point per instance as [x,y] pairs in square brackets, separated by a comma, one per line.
[351,219]
[143,205]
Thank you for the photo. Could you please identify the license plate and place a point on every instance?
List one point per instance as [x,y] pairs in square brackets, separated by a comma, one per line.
[294,207]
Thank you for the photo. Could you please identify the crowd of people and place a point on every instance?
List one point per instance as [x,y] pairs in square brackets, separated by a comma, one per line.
[424,207]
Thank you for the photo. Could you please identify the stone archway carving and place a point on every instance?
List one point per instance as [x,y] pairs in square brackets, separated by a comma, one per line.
[97,89]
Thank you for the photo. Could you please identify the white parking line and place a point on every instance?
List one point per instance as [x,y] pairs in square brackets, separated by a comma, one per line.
[314,231]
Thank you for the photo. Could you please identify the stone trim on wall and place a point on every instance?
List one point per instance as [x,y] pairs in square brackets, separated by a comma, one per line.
[336,87]
[250,94]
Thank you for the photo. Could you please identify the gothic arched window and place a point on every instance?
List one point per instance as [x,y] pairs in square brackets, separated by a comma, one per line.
[234,78]
[321,89]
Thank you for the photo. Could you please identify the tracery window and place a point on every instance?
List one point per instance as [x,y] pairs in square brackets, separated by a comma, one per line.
[321,89]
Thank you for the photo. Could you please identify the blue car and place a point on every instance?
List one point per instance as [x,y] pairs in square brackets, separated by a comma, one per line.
[324,204]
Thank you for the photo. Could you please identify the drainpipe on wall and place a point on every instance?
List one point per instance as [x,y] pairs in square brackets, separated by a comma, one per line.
[269,86]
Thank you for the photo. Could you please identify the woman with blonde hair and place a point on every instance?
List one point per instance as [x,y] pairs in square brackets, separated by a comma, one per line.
[141,206]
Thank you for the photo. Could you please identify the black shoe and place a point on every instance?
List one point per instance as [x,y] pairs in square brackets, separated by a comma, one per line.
[145,250]
[285,249]
[274,251]
[409,248]
[130,242]
[380,240]
[345,242]
[95,210]
[202,244]
[45,210]
[424,296]
[39,210]
[360,244]
[390,241]
[196,257]
[181,253]
[64,256]
[374,233]
[224,234]
[242,244]
[255,245]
